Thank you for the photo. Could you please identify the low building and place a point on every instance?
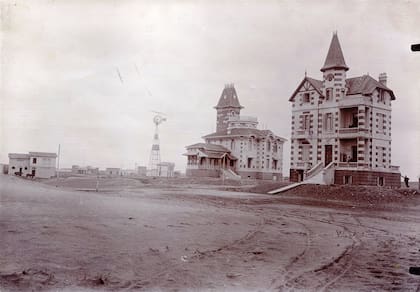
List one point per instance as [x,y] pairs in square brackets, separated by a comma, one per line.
[113,171]
[34,164]
[238,148]
[166,169]
[87,170]
[142,170]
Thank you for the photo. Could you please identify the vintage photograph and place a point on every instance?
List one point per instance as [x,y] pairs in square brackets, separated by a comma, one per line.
[225,145]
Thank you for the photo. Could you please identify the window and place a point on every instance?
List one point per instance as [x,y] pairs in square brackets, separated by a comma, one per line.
[381,120]
[249,162]
[268,146]
[232,144]
[13,167]
[328,123]
[34,160]
[329,94]
[381,96]
[381,181]
[274,164]
[275,148]
[26,168]
[306,122]
[347,179]
[306,97]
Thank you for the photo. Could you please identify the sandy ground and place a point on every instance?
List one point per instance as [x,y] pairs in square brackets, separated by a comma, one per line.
[190,238]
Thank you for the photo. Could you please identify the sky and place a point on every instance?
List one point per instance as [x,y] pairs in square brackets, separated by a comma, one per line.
[61,63]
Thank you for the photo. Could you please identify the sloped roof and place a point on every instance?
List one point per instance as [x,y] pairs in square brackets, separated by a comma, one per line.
[335,57]
[229,98]
[317,84]
[244,132]
[212,150]
[365,85]
[209,147]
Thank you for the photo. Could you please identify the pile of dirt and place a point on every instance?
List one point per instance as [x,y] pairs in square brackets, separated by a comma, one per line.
[357,194]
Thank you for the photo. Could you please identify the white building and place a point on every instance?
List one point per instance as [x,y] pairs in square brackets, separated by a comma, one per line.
[113,171]
[166,169]
[34,164]
[238,147]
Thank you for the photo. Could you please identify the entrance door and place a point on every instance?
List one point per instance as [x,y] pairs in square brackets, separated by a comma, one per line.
[328,154]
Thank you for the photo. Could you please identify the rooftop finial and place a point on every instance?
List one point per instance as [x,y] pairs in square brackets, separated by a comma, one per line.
[305,72]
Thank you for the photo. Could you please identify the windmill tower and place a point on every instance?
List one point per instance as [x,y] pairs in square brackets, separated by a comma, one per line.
[154,159]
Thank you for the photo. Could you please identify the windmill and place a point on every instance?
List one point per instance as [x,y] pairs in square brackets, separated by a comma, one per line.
[154,159]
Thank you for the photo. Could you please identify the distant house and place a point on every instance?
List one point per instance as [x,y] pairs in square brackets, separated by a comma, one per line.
[88,170]
[237,149]
[166,169]
[113,171]
[35,164]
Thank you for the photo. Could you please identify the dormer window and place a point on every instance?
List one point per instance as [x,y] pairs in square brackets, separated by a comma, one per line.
[306,97]
[381,96]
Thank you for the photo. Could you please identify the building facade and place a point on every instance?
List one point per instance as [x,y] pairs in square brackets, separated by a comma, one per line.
[344,125]
[113,171]
[237,147]
[34,164]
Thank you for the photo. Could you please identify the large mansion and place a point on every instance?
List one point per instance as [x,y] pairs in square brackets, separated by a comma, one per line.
[342,126]
[237,148]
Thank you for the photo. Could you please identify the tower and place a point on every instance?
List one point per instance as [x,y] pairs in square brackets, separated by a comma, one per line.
[154,159]
[334,71]
[228,106]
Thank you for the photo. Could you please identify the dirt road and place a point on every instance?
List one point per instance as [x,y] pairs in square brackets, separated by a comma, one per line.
[179,239]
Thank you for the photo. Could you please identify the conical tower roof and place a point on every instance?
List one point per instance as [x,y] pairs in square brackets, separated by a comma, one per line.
[335,58]
[229,98]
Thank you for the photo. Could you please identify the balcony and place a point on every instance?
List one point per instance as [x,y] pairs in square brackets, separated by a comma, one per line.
[304,134]
[353,101]
[394,168]
[353,132]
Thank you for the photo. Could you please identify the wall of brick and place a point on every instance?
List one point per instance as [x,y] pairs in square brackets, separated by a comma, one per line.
[369,178]
[203,172]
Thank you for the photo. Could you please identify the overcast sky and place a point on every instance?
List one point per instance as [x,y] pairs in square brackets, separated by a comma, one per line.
[60,62]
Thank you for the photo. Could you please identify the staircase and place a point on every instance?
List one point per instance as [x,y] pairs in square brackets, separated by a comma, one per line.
[229,174]
[316,175]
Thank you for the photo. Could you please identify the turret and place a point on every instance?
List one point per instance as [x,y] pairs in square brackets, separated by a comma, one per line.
[227,107]
[334,71]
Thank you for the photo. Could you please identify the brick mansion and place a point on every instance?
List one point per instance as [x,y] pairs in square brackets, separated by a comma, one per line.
[341,127]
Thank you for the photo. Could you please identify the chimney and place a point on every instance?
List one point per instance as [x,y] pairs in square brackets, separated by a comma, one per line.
[382,78]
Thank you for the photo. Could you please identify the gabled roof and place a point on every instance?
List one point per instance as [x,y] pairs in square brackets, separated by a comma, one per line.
[317,84]
[229,98]
[335,58]
[365,85]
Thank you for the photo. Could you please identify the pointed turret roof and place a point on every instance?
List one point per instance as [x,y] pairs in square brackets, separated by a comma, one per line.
[335,58]
[229,98]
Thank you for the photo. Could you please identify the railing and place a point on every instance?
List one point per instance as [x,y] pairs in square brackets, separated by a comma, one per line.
[314,170]
[353,164]
[243,119]
[355,130]
[306,165]
[394,167]
[305,132]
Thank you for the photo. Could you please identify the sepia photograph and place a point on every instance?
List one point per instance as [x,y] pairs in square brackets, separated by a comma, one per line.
[209,145]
